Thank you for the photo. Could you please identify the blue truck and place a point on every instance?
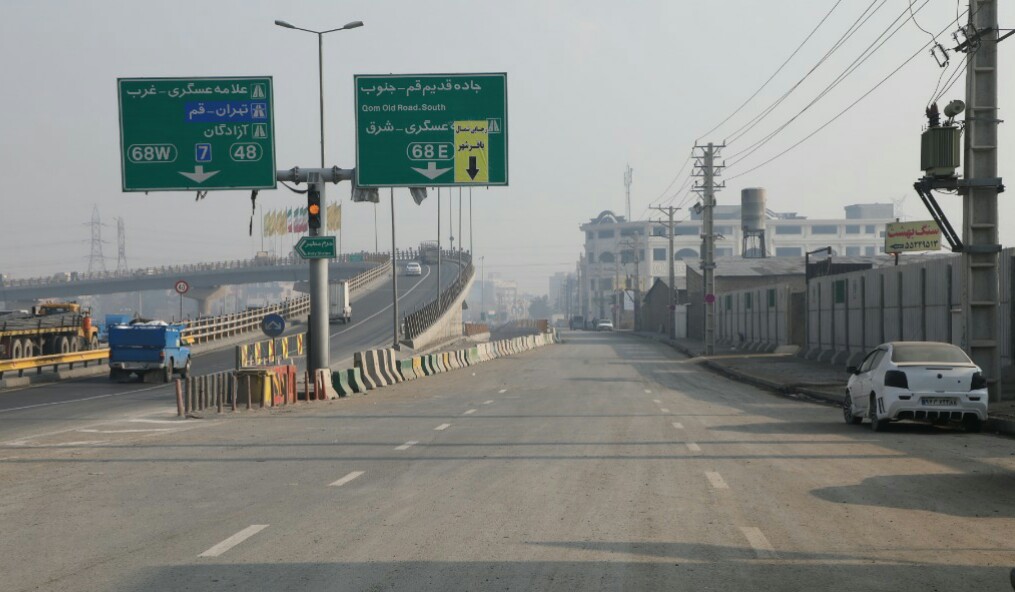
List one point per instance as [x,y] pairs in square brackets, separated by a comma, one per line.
[148,349]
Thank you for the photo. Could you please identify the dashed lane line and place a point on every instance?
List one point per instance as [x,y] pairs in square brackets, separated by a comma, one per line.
[664,410]
[716,480]
[346,479]
[469,412]
[234,540]
[678,425]
[407,445]
[502,391]
[442,427]
[762,548]
[693,447]
[488,402]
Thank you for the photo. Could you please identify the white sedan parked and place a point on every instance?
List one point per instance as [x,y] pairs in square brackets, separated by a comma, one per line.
[918,380]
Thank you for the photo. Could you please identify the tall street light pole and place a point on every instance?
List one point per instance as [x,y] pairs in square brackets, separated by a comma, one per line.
[318,355]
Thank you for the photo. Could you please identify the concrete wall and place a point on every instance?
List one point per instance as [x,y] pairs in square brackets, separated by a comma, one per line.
[762,318]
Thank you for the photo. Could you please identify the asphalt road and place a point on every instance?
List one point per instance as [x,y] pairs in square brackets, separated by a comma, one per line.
[55,406]
[607,462]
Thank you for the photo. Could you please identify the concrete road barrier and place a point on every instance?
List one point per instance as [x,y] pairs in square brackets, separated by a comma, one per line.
[405,369]
[354,377]
[417,367]
[393,364]
[384,366]
[340,381]
[366,362]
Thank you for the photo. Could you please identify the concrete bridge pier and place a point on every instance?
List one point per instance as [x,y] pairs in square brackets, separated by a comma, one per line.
[206,298]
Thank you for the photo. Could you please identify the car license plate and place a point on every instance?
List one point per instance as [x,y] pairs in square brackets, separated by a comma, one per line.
[938,401]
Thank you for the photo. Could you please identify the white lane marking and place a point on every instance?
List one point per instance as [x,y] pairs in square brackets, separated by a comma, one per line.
[154,421]
[762,548]
[407,445]
[656,401]
[234,540]
[678,425]
[488,402]
[106,396]
[361,321]
[716,480]
[442,427]
[502,391]
[346,479]
[469,412]
[664,410]
[693,447]
[648,391]
[137,431]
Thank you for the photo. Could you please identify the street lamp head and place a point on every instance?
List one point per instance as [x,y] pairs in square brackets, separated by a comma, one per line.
[353,25]
[284,24]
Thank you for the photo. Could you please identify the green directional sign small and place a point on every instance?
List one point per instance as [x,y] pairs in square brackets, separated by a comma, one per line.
[190,134]
[316,247]
[427,130]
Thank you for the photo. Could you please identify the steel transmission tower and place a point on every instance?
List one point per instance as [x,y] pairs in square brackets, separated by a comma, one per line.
[121,246]
[96,260]
[706,167]
[628,178]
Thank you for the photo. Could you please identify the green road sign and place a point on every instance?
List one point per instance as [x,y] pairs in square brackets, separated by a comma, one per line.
[316,247]
[181,134]
[430,130]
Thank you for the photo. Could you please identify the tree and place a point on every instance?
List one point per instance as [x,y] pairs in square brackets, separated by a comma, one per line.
[539,308]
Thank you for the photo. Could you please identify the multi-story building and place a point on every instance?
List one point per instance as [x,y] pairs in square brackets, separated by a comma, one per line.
[631,254]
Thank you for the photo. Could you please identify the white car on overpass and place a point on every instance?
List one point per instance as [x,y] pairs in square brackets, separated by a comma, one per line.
[916,380]
[413,268]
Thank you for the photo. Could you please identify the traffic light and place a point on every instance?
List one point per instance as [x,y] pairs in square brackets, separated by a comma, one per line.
[314,209]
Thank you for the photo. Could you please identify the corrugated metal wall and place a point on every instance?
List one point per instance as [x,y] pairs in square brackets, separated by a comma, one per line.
[855,312]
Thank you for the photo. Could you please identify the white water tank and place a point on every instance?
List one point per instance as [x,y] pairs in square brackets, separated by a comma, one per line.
[752,209]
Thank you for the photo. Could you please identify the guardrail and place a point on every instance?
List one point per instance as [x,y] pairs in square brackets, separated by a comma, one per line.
[418,321]
[39,363]
[196,332]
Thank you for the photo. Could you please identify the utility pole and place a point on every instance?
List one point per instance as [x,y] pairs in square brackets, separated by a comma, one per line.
[979,201]
[394,277]
[708,170]
[628,177]
[670,211]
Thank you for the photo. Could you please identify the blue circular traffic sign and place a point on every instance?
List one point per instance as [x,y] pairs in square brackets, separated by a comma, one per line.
[273,325]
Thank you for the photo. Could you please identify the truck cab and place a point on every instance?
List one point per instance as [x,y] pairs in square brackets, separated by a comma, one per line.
[148,349]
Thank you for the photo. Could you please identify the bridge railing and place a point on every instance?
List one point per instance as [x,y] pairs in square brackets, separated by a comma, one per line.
[418,321]
[174,270]
[199,331]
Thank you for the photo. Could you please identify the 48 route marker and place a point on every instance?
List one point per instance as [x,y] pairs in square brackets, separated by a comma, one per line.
[184,134]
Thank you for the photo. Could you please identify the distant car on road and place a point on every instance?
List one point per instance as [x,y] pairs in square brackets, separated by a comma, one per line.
[916,380]
[413,268]
[604,325]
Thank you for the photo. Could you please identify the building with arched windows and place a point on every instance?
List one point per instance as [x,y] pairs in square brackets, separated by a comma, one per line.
[626,254]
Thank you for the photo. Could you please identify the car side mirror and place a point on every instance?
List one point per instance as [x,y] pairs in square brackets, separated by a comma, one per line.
[852,369]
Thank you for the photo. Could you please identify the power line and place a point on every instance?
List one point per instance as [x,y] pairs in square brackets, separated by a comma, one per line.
[853,28]
[912,17]
[865,55]
[774,74]
[844,111]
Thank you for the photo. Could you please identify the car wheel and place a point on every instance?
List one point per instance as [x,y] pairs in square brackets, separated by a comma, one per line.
[186,370]
[848,413]
[972,424]
[877,425]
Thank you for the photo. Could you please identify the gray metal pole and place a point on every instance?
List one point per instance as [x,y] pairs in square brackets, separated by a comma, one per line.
[471,252]
[320,355]
[320,89]
[394,277]
[482,289]
[673,277]
[438,243]
[979,202]
[460,240]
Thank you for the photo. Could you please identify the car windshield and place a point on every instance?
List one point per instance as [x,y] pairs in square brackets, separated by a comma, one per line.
[938,353]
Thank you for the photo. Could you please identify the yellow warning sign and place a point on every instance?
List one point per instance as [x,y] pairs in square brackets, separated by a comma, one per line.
[472,163]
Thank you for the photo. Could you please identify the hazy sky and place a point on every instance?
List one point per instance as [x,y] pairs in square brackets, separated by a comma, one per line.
[592,85]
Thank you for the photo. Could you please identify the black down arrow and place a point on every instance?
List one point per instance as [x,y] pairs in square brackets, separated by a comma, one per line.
[473,170]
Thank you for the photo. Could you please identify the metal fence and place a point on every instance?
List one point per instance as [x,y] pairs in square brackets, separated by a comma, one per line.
[418,321]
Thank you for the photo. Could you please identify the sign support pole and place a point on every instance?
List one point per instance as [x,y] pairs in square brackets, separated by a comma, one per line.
[394,278]
[320,355]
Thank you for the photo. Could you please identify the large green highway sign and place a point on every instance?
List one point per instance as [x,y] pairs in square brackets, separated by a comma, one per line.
[196,133]
[430,130]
